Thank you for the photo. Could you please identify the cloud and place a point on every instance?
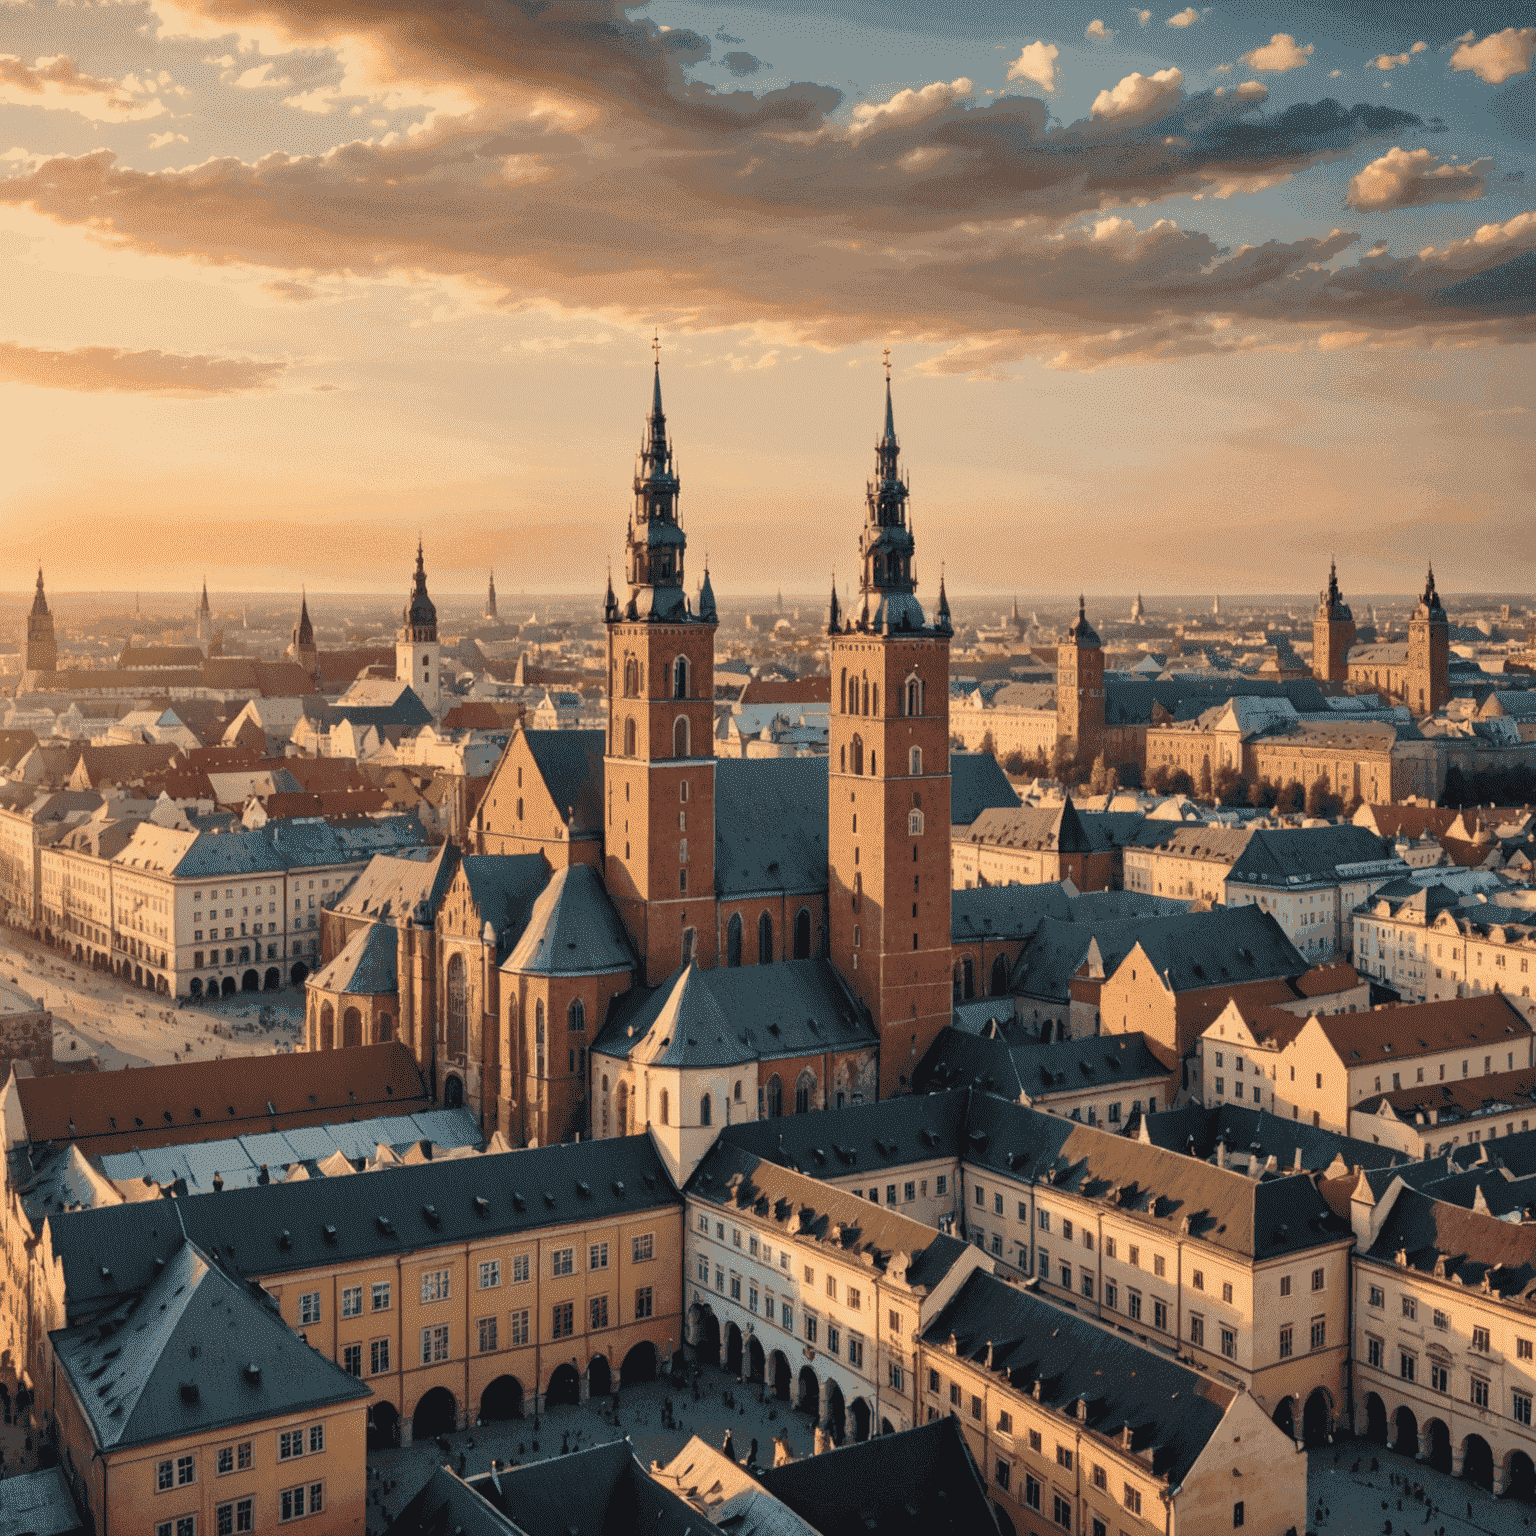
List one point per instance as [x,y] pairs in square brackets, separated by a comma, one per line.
[911,106]
[740,63]
[1397,60]
[288,290]
[1185,18]
[1499,56]
[1410,178]
[1278,56]
[58,84]
[161,140]
[1140,96]
[1142,17]
[96,369]
[1037,62]
[1097,31]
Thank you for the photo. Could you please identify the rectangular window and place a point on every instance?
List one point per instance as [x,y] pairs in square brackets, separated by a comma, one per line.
[894,1375]
[1520,1408]
[1317,1279]
[563,1320]
[490,1274]
[1133,1305]
[1132,1499]
[1196,1329]
[1522,1349]
[855,1351]
[1111,1295]
[1197,1279]
[1377,1297]
[643,1302]
[1237,1514]
[1001,1473]
[1226,1292]
[1031,1492]
[378,1357]
[975,1407]
[1285,1285]
[1034,1441]
[1439,1378]
[1159,1265]
[519,1323]
[895,1323]
[1373,1353]
[1480,1340]
[351,1363]
[564,1261]
[1479,1392]
[811,1321]
[1061,1511]
[941,1184]
[1063,1457]
[1133,1255]
[485,1335]
[520,1268]
[381,1296]
[597,1256]
[642,1249]
[290,1444]
[1319,1333]
[1229,1343]
[834,1339]
[1066,1230]
[1109,1248]
[1160,1316]
[1407,1365]
[1100,1477]
[1410,1308]
[1004,1419]
[1286,1349]
[909,1191]
[434,1344]
[597,1309]
[309,1309]
[352,1301]
[435,1284]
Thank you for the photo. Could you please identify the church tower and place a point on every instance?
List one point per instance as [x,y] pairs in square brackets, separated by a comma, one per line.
[204,631]
[889,786]
[304,649]
[1333,633]
[1080,688]
[417,656]
[41,652]
[490,601]
[659,770]
[1427,682]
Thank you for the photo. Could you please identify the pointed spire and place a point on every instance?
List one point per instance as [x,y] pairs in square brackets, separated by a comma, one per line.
[890,415]
[40,602]
[942,620]
[706,599]
[202,607]
[834,616]
[610,602]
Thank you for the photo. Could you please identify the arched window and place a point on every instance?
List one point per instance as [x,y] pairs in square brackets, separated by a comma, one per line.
[680,678]
[386,1029]
[914,823]
[873,770]
[999,976]
[689,935]
[737,1091]
[327,1027]
[538,1038]
[576,1016]
[629,738]
[803,934]
[913,702]
[842,759]
[765,940]
[874,695]
[857,936]
[775,1097]
[458,1006]
[631,678]
[704,1110]
[621,1110]
[864,709]
[856,755]
[858,890]
[805,1094]
[965,980]
[915,762]
[666,1108]
[680,736]
[842,691]
[733,940]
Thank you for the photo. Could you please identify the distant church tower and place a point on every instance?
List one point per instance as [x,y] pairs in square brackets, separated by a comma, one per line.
[659,771]
[1427,684]
[1138,612]
[417,656]
[888,785]
[1080,688]
[1333,633]
[304,649]
[41,652]
[204,632]
[490,601]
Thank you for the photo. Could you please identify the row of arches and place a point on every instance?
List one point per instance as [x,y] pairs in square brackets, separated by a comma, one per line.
[437,1410]
[858,696]
[965,978]
[1431,1443]
[765,952]
[634,677]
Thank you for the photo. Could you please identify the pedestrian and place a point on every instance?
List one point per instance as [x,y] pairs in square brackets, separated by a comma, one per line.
[728,1446]
[752,1454]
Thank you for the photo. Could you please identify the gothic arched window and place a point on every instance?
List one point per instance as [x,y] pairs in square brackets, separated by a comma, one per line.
[666,1108]
[631,678]
[999,976]
[458,1006]
[775,1097]
[856,755]
[915,762]
[680,736]
[629,738]
[576,1016]
[914,823]
[805,1093]
[803,934]
[864,710]
[842,691]
[733,940]
[680,678]
[765,940]
[704,1110]
[914,696]
[538,1037]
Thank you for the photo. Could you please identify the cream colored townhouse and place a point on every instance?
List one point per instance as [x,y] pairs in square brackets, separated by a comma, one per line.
[818,1294]
[1317,1069]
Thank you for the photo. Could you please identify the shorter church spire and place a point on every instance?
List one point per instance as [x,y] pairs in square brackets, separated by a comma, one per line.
[834,614]
[40,602]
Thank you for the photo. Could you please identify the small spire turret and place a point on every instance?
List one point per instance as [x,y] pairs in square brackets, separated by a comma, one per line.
[834,614]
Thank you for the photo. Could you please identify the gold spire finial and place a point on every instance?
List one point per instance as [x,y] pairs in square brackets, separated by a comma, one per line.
[656,347]
[887,355]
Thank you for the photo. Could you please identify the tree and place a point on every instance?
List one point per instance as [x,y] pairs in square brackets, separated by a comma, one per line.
[1321,800]
[1014,763]
[1230,786]
[1128,775]
[1291,798]
[1263,794]
[1098,779]
[1205,779]
[987,743]
[1180,783]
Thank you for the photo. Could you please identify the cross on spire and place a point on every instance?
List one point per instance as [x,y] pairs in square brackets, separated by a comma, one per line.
[656,347]
[886,353]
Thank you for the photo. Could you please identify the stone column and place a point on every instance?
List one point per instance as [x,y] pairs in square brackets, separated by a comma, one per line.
[1456,1460]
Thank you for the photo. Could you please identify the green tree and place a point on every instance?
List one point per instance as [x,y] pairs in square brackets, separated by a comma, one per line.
[1263,794]
[1014,763]
[1291,798]
[1230,786]
[1321,800]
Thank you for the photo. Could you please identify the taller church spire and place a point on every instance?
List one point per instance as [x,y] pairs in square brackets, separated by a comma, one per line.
[656,542]
[41,653]
[886,545]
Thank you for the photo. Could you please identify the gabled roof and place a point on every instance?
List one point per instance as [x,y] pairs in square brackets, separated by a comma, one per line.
[381,702]
[1474,1247]
[960,1060]
[197,1352]
[921,1483]
[977,783]
[1197,1132]
[365,965]
[274,1229]
[1172,1411]
[571,765]
[1226,946]
[770,825]
[572,929]
[1389,1033]
[1295,855]
[1005,911]
[737,1013]
[393,886]
[814,1212]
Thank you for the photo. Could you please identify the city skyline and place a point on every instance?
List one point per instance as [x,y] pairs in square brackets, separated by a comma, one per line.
[1219,290]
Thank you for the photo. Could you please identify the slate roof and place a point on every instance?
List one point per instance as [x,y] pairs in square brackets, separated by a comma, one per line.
[1475,1247]
[506,889]
[1228,945]
[737,1013]
[381,702]
[770,825]
[1183,695]
[1052,827]
[281,845]
[733,1179]
[195,1353]
[1005,911]
[957,1060]
[392,886]
[571,765]
[976,784]
[447,1503]
[1257,1219]
[1197,1132]
[1208,843]
[365,964]
[862,1138]
[924,1482]
[573,929]
[1052,955]
[1298,855]
[39,1504]
[1172,1411]
[206,1100]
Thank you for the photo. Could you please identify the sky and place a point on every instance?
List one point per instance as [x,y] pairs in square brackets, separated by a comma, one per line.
[1177,300]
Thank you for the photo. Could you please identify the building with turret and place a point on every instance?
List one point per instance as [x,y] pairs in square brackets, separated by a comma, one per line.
[203,621]
[1333,633]
[40,651]
[1416,674]
[418,657]
[1080,688]
[303,650]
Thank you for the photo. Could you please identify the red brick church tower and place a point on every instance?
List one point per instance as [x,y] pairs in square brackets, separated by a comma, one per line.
[1333,633]
[889,786]
[659,768]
